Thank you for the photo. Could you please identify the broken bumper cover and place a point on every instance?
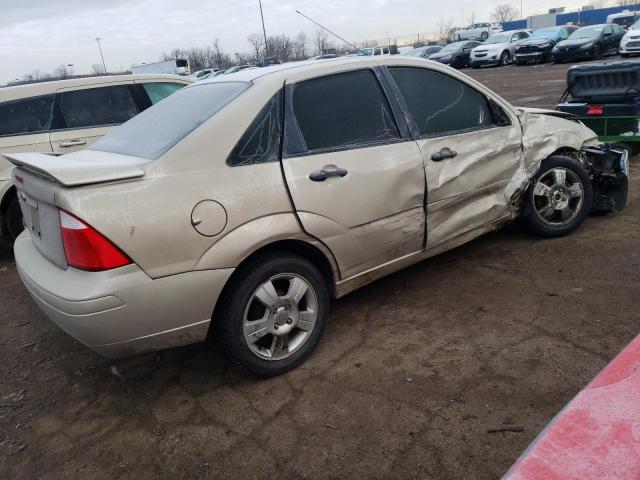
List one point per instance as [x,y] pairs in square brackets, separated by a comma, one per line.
[609,171]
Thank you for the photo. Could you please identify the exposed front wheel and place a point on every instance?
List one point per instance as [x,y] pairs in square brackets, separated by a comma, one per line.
[273,314]
[559,197]
[484,36]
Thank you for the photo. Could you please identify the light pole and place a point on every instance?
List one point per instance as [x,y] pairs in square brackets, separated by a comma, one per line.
[264,31]
[104,66]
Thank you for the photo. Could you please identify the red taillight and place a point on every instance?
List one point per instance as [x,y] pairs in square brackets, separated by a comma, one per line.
[595,110]
[87,249]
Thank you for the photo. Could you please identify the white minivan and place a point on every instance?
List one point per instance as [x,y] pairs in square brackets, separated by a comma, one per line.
[66,115]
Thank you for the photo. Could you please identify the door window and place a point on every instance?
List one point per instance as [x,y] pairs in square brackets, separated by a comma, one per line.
[342,110]
[441,104]
[28,115]
[160,90]
[97,106]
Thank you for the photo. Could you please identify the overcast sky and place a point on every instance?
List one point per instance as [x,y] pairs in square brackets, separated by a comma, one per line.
[42,34]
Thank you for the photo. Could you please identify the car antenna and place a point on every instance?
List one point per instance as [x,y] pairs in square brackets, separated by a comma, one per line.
[334,34]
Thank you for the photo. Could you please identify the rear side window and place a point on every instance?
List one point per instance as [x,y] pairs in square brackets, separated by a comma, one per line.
[261,142]
[160,90]
[27,115]
[157,129]
[439,103]
[343,110]
[97,106]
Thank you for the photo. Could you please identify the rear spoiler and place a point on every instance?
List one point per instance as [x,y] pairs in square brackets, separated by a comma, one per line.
[80,168]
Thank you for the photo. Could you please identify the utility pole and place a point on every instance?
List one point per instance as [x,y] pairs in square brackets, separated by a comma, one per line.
[264,31]
[104,66]
[521,11]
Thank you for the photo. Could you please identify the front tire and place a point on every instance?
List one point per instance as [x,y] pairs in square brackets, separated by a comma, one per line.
[273,314]
[484,36]
[505,58]
[559,197]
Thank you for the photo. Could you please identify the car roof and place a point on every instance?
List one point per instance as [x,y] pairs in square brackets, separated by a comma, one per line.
[45,88]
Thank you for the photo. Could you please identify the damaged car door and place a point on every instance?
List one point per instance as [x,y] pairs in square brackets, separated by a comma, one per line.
[471,148]
[355,175]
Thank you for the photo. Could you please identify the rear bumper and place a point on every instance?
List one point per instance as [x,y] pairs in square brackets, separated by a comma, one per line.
[121,312]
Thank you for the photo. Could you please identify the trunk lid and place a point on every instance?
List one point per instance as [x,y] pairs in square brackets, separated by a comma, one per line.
[39,177]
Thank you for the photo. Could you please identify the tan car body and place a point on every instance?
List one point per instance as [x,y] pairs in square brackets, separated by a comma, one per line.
[356,229]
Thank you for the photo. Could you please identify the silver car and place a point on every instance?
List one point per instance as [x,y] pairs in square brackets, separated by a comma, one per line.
[476,31]
[498,49]
[236,208]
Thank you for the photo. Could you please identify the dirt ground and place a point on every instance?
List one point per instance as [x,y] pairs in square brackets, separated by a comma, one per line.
[411,373]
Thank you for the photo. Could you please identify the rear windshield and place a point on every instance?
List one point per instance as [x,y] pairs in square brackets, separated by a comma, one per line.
[154,131]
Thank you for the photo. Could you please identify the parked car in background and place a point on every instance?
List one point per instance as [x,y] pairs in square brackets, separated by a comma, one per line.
[382,50]
[624,19]
[589,43]
[498,49]
[456,54]
[66,115]
[237,68]
[195,218]
[630,43]
[476,31]
[326,56]
[200,74]
[424,52]
[537,48]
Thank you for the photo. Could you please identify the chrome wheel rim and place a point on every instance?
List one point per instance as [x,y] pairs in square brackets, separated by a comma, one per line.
[280,316]
[558,196]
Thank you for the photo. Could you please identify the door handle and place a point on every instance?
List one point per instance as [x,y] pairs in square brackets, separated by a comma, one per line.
[322,175]
[73,143]
[442,154]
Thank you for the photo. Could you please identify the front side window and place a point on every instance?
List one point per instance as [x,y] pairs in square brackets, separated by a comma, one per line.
[343,110]
[439,103]
[261,142]
[97,106]
[27,115]
[160,90]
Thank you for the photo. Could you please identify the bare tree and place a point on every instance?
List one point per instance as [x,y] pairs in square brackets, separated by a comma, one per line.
[300,46]
[97,69]
[598,3]
[257,42]
[626,3]
[321,41]
[471,19]
[504,13]
[445,28]
[61,71]
[220,58]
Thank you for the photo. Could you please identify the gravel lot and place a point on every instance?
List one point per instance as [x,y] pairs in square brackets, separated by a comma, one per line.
[411,374]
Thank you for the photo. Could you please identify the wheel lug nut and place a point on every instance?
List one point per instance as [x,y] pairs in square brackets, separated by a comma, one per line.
[289,321]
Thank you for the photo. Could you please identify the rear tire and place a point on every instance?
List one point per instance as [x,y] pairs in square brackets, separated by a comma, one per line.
[484,36]
[270,340]
[13,222]
[559,197]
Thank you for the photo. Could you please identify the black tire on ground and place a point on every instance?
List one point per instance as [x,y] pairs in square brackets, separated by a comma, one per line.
[625,55]
[14,219]
[505,58]
[228,327]
[533,219]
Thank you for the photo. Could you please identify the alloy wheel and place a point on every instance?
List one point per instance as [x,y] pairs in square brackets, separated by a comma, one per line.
[280,316]
[558,196]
